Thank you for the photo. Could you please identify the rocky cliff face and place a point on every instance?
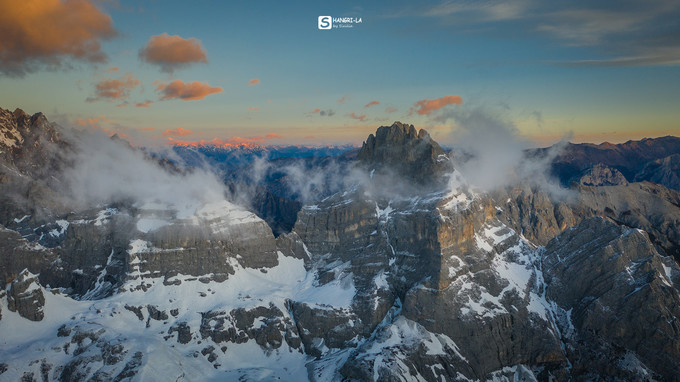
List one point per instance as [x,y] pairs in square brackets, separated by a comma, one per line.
[605,284]
[440,282]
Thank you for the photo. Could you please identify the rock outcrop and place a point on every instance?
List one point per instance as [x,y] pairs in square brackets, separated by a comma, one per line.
[406,152]
[25,296]
[601,175]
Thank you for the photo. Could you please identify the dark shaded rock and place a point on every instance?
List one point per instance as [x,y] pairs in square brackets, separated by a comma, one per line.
[19,254]
[137,310]
[155,314]
[239,326]
[183,332]
[279,212]
[25,296]
[63,331]
[131,368]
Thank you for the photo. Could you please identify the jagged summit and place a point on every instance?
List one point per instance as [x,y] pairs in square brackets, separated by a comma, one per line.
[399,147]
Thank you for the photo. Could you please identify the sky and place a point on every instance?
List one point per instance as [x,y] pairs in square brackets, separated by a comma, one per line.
[177,72]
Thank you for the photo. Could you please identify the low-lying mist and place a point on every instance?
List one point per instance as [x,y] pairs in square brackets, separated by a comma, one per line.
[107,170]
[492,154]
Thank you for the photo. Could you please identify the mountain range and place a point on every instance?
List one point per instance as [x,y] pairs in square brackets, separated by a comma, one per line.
[380,264]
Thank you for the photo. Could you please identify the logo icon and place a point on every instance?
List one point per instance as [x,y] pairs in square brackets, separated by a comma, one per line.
[325,22]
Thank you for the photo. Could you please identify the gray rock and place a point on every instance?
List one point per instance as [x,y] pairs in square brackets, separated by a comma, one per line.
[612,282]
[665,171]
[25,296]
[601,175]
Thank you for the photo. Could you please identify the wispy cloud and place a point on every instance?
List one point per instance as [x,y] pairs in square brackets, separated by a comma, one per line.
[361,117]
[173,52]
[145,104]
[343,99]
[372,103]
[323,113]
[620,33]
[47,34]
[254,81]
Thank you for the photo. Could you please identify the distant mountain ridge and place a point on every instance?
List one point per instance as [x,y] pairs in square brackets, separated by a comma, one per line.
[629,158]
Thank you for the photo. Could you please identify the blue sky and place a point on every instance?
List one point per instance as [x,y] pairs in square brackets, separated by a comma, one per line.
[593,71]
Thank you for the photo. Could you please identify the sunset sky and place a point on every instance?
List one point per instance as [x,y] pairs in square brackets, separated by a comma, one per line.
[169,71]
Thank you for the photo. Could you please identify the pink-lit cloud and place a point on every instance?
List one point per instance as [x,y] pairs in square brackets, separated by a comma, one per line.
[254,81]
[372,103]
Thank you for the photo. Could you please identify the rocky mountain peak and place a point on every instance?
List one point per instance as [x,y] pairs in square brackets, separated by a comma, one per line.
[410,153]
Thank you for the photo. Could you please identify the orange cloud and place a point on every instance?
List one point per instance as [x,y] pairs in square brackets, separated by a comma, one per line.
[172,52]
[186,91]
[178,132]
[427,106]
[253,108]
[37,34]
[273,136]
[146,103]
[115,89]
[372,103]
[359,117]
[343,99]
[317,110]
[254,81]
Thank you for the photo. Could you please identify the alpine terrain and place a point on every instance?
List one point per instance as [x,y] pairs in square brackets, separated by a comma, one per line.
[120,264]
